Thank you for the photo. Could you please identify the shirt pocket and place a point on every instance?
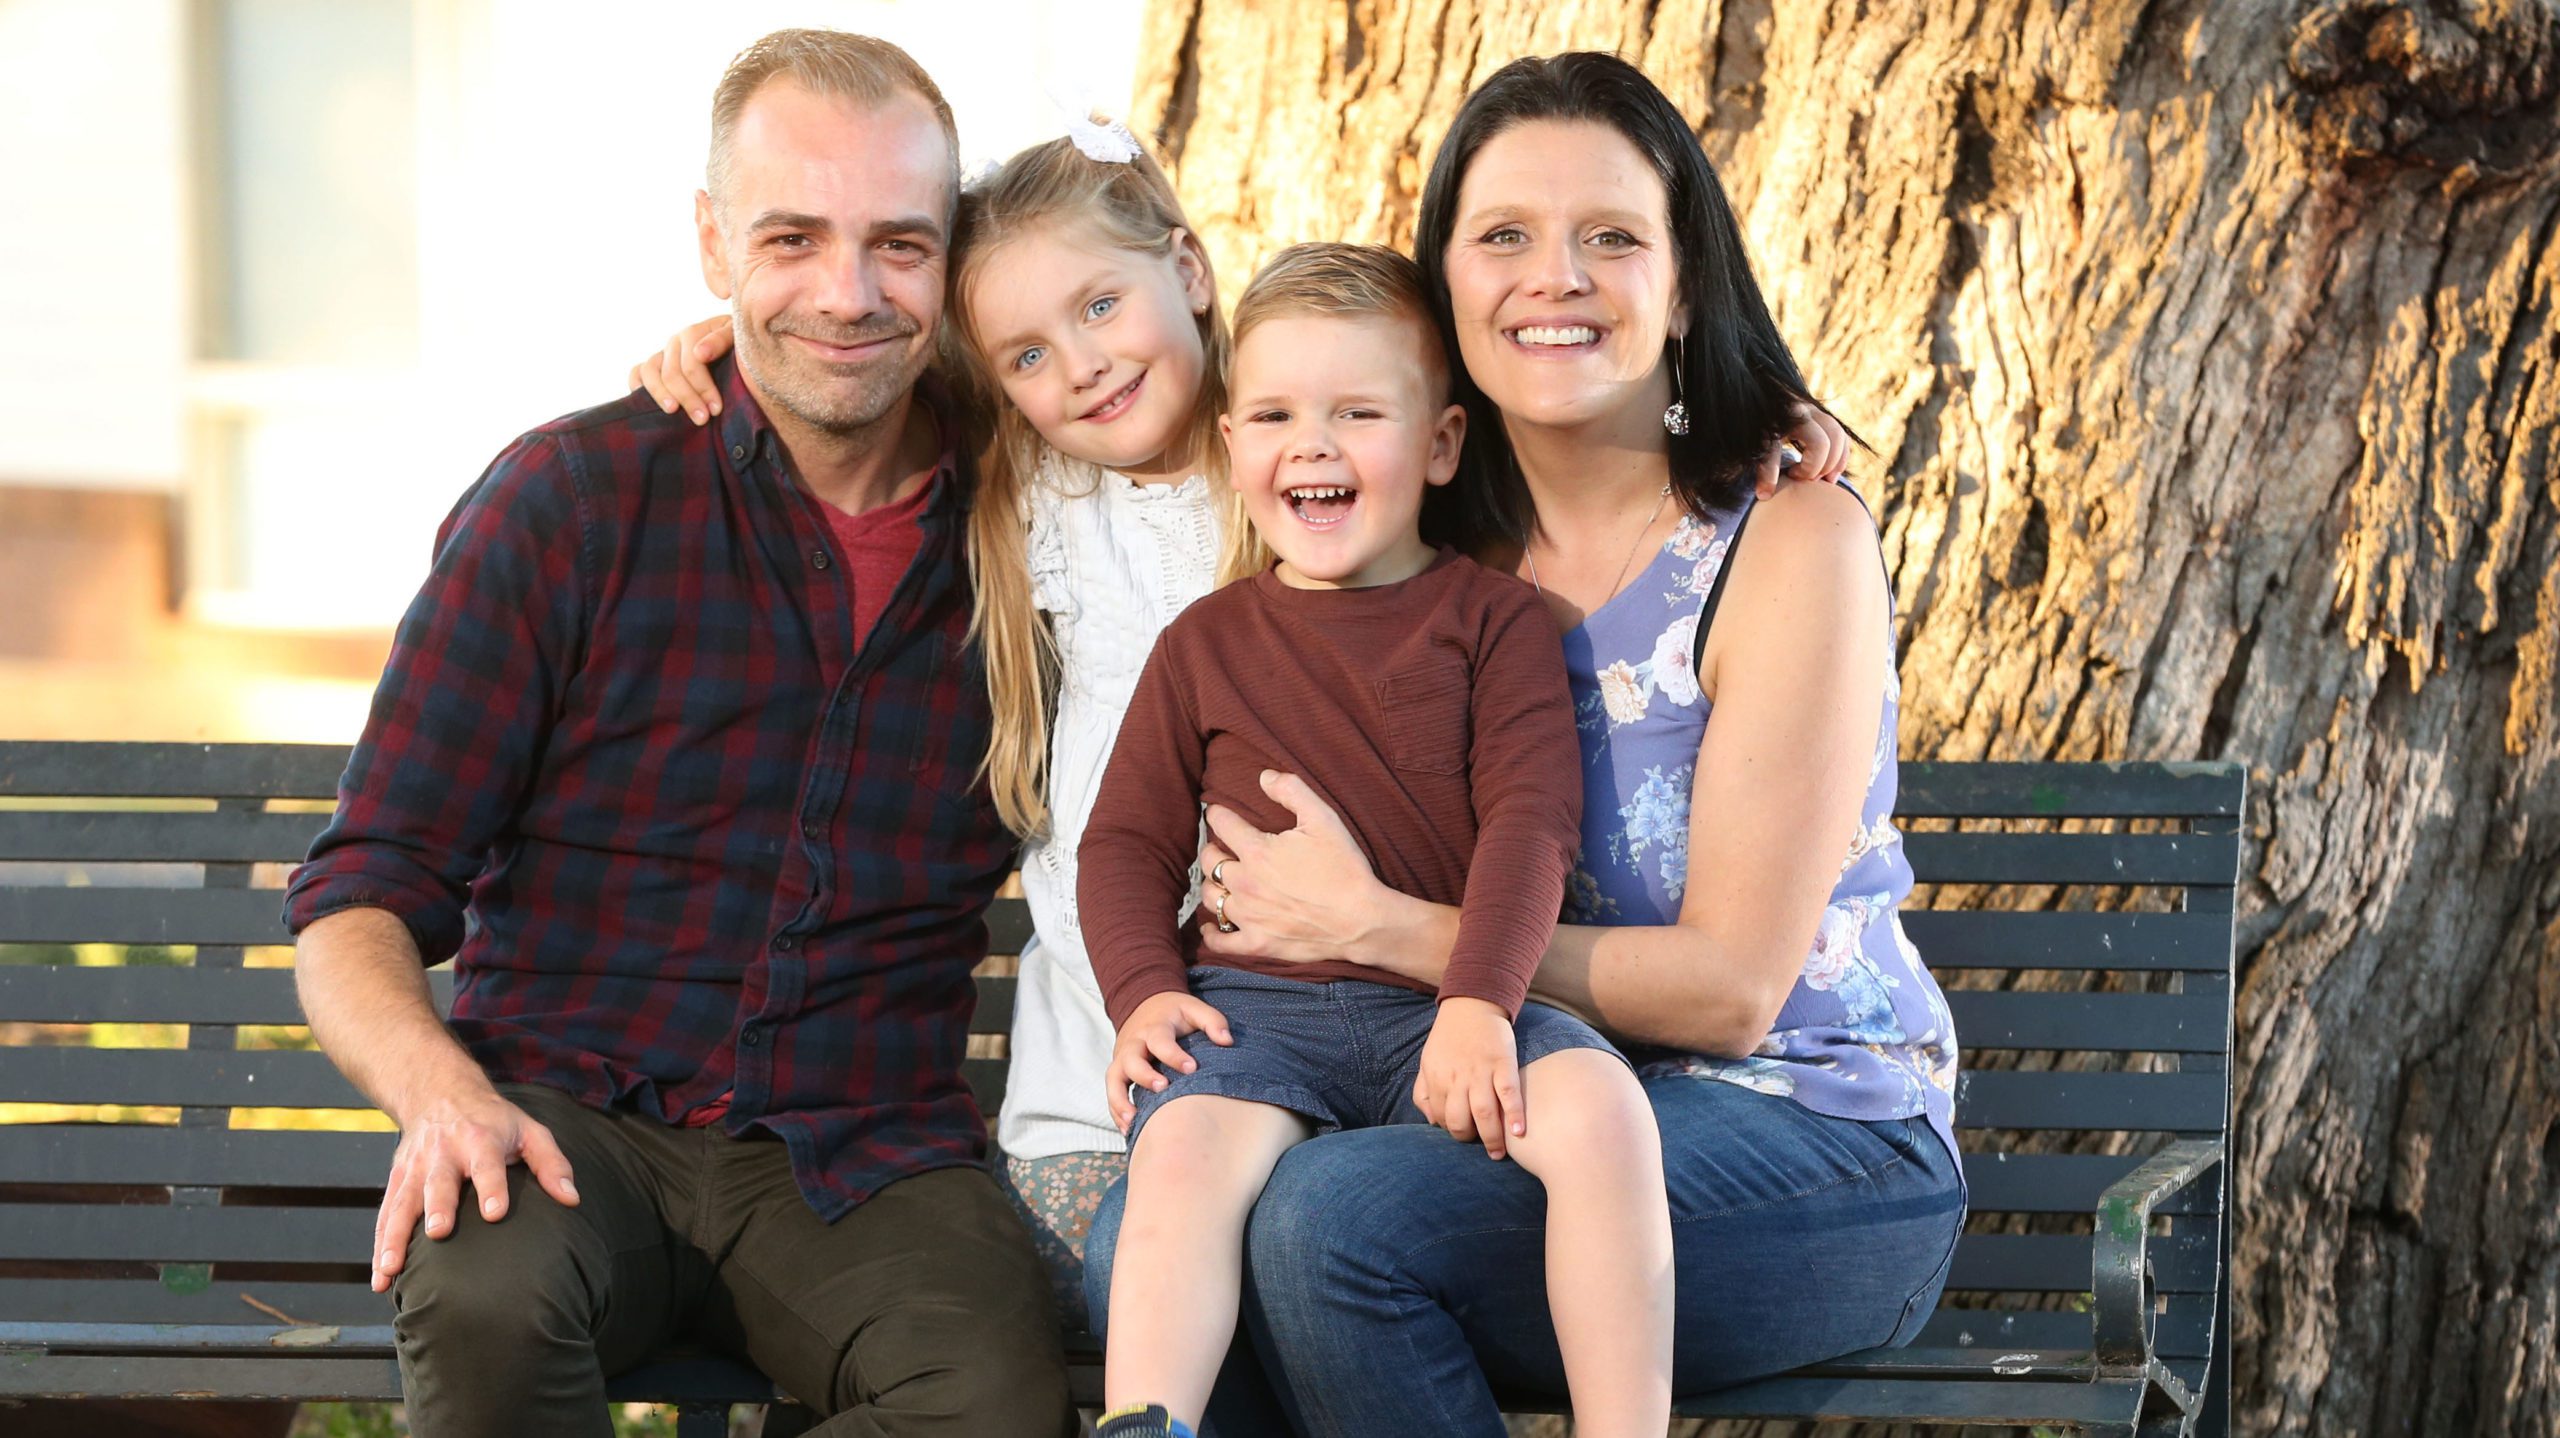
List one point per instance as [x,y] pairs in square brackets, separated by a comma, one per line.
[1425,701]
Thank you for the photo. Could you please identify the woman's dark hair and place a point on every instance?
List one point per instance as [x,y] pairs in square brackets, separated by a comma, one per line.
[1740,379]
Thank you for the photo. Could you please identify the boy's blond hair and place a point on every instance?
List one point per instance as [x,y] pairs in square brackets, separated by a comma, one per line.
[1346,282]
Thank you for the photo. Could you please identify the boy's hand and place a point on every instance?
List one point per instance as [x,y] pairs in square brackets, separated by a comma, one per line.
[1470,1080]
[1152,1036]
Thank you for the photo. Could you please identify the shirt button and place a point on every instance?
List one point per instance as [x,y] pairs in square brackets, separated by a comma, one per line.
[818,558]
[738,452]
[752,1037]
[811,829]
[785,944]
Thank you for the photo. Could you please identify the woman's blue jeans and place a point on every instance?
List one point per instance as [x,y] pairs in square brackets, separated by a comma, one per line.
[1395,1278]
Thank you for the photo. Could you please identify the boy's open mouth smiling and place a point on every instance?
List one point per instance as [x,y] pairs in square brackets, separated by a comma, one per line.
[1320,506]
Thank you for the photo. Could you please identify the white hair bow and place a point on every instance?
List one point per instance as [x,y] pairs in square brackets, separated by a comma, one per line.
[1103,139]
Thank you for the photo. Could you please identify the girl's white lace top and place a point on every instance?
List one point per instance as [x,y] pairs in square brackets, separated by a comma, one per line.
[1112,561]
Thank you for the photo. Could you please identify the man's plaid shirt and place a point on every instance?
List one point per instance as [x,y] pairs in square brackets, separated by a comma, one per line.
[683,839]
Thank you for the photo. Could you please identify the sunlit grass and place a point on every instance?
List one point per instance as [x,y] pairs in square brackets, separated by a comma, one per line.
[314,1120]
[88,1113]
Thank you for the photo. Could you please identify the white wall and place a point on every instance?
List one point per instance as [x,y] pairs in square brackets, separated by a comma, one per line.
[94,330]
[559,143]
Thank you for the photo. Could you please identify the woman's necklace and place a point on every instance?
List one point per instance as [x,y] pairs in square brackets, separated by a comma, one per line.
[1623,565]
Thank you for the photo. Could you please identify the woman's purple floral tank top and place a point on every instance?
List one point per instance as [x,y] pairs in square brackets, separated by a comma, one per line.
[1865,1034]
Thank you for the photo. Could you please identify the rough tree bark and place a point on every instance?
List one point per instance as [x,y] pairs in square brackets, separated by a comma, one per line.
[2209,353]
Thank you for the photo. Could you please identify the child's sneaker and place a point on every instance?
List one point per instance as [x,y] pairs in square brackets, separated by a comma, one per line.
[1141,1420]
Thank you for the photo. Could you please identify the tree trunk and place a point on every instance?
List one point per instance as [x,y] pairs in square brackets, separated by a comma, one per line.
[2209,356]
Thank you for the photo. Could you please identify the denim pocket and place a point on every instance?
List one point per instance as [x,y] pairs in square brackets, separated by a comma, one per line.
[1425,702]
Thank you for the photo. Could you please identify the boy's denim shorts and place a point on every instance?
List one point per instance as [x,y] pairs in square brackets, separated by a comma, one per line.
[1344,1054]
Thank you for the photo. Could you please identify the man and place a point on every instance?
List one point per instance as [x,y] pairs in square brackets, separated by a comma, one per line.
[675,748]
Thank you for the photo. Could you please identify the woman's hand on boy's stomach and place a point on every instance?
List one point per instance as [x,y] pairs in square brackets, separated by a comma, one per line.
[1152,1036]
[1303,895]
[1470,1079]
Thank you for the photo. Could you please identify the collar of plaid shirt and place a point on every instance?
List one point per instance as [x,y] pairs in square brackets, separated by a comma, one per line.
[683,835]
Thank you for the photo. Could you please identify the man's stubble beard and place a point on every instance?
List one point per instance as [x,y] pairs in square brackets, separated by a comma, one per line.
[837,400]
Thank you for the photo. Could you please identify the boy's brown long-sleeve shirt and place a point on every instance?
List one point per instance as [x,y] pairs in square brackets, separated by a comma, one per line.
[1432,714]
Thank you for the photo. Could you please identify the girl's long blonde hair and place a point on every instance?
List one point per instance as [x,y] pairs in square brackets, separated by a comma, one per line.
[1131,206]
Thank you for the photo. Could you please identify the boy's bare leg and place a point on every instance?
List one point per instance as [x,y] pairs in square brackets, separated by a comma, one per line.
[1199,1164]
[1593,1142]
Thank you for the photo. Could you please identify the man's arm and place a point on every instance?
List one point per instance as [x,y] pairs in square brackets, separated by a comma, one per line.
[447,756]
[365,994]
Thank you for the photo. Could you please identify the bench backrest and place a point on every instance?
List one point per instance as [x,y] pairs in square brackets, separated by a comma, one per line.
[156,1164]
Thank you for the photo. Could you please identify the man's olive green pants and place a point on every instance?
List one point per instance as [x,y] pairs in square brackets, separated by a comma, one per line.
[922,1312]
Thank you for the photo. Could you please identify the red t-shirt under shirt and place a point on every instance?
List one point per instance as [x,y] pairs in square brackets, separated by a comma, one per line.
[877,545]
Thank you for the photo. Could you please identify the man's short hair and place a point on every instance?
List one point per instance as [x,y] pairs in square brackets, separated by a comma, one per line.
[1345,282]
[824,62]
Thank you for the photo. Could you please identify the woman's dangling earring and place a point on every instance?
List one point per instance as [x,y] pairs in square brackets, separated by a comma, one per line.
[1675,418]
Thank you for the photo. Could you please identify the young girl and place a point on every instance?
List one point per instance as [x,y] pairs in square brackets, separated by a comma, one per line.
[1079,295]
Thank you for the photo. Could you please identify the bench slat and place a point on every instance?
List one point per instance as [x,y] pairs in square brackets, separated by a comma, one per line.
[166,1233]
[251,1380]
[240,916]
[240,1079]
[2060,1263]
[2000,1182]
[239,838]
[142,916]
[174,1076]
[2129,1102]
[165,1154]
[171,771]
[994,1013]
[373,1339]
[2008,1402]
[1008,926]
[2089,1022]
[2181,1330]
[180,994]
[2003,939]
[2188,859]
[318,1380]
[1975,790]
[139,1300]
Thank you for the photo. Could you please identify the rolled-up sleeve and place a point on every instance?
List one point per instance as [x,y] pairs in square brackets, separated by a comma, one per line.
[458,721]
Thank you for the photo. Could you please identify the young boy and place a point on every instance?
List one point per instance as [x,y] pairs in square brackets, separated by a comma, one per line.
[1424,697]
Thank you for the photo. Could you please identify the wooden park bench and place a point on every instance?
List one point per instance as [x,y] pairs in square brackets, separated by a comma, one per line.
[162,1235]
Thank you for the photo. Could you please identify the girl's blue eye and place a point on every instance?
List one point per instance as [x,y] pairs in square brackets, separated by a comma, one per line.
[1100,307]
[1028,358]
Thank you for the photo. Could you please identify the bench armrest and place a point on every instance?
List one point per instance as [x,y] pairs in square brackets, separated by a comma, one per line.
[2120,1255]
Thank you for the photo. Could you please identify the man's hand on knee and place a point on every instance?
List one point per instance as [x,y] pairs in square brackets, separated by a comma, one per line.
[475,1138]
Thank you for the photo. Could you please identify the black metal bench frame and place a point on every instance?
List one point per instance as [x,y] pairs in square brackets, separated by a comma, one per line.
[228,1262]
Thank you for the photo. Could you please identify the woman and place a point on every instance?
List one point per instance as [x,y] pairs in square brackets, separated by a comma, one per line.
[1731,923]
